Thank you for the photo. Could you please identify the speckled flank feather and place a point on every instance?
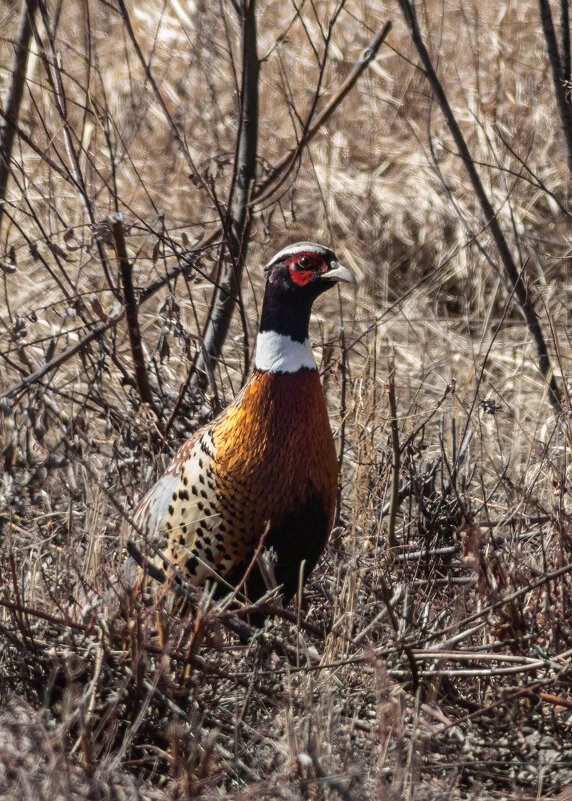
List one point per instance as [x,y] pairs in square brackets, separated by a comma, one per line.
[180,509]
[269,456]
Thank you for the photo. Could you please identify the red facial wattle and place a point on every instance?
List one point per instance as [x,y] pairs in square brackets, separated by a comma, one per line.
[300,275]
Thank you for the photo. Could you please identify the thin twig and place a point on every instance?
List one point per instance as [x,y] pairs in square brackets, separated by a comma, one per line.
[158,96]
[395,451]
[343,414]
[54,74]
[280,170]
[521,290]
[115,222]
[98,329]
[546,579]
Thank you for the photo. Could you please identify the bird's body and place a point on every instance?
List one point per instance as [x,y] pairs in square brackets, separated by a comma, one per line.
[267,464]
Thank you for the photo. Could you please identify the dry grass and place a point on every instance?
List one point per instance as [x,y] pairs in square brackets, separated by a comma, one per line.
[436,669]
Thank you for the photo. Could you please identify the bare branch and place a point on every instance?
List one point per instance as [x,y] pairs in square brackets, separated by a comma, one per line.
[521,291]
[54,74]
[560,68]
[158,96]
[239,218]
[283,166]
[126,270]
[395,452]
[64,356]
[565,41]
[14,93]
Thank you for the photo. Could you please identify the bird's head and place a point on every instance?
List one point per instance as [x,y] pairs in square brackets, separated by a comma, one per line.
[295,277]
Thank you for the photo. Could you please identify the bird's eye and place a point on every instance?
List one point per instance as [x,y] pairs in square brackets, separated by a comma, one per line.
[304,263]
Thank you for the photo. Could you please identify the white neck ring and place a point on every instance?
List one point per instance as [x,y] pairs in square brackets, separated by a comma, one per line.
[278,353]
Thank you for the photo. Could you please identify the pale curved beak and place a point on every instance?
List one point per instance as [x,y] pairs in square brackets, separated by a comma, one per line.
[339,273]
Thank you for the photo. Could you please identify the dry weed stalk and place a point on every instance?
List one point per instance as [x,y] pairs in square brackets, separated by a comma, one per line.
[395,452]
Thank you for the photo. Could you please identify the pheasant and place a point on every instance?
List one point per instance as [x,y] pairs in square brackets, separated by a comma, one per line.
[266,466]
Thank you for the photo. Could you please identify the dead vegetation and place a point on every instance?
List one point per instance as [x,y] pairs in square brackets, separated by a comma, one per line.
[431,656]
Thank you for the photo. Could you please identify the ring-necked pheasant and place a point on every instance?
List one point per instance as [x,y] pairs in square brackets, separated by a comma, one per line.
[268,462]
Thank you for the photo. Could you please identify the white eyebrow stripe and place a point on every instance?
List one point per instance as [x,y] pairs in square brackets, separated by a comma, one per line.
[298,247]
